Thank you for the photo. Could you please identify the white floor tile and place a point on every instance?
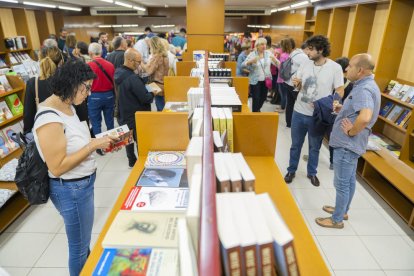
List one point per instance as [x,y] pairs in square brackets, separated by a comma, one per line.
[391,252]
[117,164]
[396,221]
[101,162]
[313,198]
[358,201]
[16,271]
[43,271]
[370,222]
[373,198]
[317,230]
[399,272]
[22,249]
[347,252]
[106,197]
[112,179]
[37,219]
[409,239]
[56,254]
[359,273]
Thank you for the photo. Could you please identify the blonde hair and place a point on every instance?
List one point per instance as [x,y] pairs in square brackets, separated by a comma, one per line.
[71,41]
[286,45]
[157,46]
[50,58]
[260,41]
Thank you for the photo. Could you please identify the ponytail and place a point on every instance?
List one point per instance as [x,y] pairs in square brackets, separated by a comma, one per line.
[47,68]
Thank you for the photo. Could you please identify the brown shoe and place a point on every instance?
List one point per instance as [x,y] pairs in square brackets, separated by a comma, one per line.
[289,177]
[329,223]
[331,210]
[314,180]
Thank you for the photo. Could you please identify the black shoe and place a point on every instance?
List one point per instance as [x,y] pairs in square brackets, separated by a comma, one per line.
[100,152]
[314,180]
[289,177]
[131,163]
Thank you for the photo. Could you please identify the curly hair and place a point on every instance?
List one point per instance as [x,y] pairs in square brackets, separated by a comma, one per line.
[68,77]
[320,43]
[157,47]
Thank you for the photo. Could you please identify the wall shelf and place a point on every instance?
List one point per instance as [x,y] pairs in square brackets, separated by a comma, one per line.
[20,50]
[11,120]
[398,101]
[392,124]
[15,90]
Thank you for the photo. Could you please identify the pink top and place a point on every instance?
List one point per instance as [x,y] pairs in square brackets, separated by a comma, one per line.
[283,57]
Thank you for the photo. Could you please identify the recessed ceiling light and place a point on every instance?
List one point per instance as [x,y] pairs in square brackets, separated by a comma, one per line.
[139,8]
[284,8]
[39,4]
[300,4]
[10,1]
[123,4]
[70,8]
[108,1]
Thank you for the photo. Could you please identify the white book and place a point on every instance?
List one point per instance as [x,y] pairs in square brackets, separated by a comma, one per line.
[395,89]
[193,155]
[188,258]
[235,176]
[222,174]
[194,206]
[218,143]
[245,171]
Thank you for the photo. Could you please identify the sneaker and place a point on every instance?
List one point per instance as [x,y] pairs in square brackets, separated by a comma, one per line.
[331,167]
[100,152]
[331,210]
[329,223]
[289,177]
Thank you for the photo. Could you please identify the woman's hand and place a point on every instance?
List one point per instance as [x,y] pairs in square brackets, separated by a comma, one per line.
[103,142]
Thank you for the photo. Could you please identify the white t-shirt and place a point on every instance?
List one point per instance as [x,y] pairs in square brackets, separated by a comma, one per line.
[317,82]
[298,58]
[262,69]
[77,136]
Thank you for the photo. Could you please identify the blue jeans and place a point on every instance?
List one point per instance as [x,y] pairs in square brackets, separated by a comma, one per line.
[282,94]
[345,165]
[99,102]
[74,201]
[300,127]
[159,102]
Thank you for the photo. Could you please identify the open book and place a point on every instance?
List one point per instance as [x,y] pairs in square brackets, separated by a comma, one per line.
[124,135]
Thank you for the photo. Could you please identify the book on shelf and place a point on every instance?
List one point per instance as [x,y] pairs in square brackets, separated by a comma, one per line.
[4,145]
[195,121]
[395,113]
[285,256]
[222,175]
[403,91]
[408,95]
[176,107]
[8,132]
[402,116]
[163,177]
[234,173]
[137,261]
[5,82]
[222,119]
[394,91]
[383,141]
[194,205]
[193,155]
[218,143]
[165,159]
[142,229]
[163,199]
[405,125]
[216,119]
[124,135]
[386,109]
[2,63]
[229,128]
[248,178]
[188,257]
[14,103]
[5,113]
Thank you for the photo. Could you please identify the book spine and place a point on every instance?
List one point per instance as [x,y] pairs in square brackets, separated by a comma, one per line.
[290,258]
[249,261]
[232,261]
[266,260]
[236,186]
[248,186]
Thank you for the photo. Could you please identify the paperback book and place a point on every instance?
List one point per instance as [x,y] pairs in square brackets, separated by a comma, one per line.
[14,104]
[124,134]
[156,199]
[163,177]
[165,159]
[5,83]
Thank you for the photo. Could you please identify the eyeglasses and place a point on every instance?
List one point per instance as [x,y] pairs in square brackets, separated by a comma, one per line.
[88,88]
[137,61]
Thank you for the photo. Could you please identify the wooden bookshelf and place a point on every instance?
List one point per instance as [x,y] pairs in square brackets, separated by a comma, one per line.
[20,50]
[391,123]
[13,154]
[397,101]
[15,118]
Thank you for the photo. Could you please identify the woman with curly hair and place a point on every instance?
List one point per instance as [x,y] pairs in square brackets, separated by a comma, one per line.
[64,143]
[157,67]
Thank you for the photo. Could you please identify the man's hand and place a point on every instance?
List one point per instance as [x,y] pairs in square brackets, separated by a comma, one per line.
[346,125]
[336,108]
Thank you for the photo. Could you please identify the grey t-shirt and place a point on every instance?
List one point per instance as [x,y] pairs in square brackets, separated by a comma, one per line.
[317,82]
[365,94]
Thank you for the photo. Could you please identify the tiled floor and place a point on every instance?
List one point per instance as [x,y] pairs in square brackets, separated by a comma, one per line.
[375,241]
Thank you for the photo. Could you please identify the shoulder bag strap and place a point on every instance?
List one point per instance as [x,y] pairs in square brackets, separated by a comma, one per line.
[37,92]
[103,70]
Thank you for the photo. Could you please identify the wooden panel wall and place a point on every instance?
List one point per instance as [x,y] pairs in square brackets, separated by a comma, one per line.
[85,27]
[50,23]
[338,30]
[349,31]
[377,32]
[7,23]
[322,22]
[364,19]
[330,23]
[32,29]
[406,70]
[42,25]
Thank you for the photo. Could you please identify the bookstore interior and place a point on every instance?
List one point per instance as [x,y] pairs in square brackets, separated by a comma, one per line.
[199,166]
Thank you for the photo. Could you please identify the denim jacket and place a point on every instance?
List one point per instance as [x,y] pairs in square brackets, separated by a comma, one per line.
[255,67]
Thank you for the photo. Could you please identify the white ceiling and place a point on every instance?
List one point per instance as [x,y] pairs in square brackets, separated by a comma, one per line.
[174,3]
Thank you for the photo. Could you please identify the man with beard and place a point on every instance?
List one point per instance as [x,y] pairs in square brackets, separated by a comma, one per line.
[315,79]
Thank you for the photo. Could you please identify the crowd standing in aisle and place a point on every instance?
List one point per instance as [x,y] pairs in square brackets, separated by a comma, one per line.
[64,143]
[349,136]
[315,79]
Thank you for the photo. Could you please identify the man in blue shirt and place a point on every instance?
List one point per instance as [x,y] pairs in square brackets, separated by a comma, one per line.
[179,40]
[242,71]
[349,136]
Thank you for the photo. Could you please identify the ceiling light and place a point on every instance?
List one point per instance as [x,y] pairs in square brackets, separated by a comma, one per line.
[132,33]
[303,3]
[39,5]
[283,9]
[116,26]
[139,8]
[105,26]
[273,10]
[108,1]
[313,1]
[69,8]
[163,26]
[259,26]
[10,1]
[123,4]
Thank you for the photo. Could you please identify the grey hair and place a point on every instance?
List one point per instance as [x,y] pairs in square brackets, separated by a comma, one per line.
[117,41]
[95,48]
[50,42]
[260,41]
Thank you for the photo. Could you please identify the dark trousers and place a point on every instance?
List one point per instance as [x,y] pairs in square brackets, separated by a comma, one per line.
[130,149]
[290,102]
[259,94]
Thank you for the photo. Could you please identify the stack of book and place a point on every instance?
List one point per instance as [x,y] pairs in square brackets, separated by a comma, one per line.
[7,145]
[396,113]
[223,123]
[220,97]
[382,141]
[153,233]
[254,238]
[403,92]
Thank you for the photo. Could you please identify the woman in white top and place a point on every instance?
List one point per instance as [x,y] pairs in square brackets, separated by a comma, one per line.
[258,62]
[64,143]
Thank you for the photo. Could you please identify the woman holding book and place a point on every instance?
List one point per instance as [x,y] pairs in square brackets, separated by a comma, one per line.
[64,143]
[157,68]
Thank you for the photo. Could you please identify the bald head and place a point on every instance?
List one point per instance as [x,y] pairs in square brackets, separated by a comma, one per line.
[364,61]
[360,66]
[132,58]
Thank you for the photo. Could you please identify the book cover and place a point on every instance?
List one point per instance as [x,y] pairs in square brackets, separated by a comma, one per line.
[188,258]
[218,143]
[192,214]
[165,159]
[222,120]
[153,87]
[142,229]
[2,89]
[395,89]
[234,173]
[176,107]
[4,148]
[5,82]
[124,134]
[248,178]
[216,119]
[222,175]
[395,113]
[386,109]
[156,199]
[14,104]
[403,91]
[407,117]
[408,95]
[5,111]
[8,132]
[229,127]
[137,262]
[402,117]
[163,177]
[193,155]
[390,86]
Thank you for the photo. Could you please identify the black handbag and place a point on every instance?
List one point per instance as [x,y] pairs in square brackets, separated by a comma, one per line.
[32,177]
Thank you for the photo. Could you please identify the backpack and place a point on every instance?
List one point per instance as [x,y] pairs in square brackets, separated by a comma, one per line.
[32,177]
[285,72]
